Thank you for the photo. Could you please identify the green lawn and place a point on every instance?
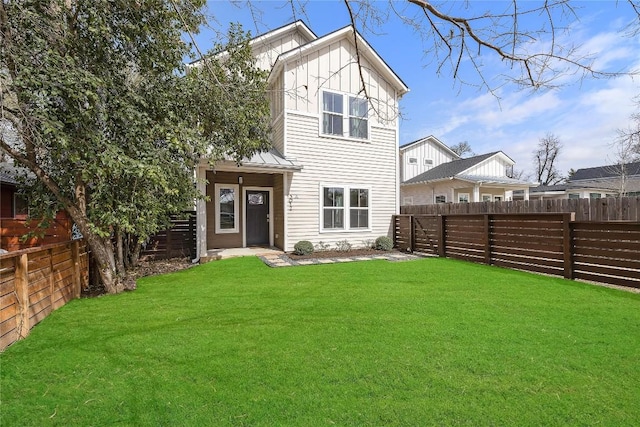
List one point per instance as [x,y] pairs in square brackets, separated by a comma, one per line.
[375,343]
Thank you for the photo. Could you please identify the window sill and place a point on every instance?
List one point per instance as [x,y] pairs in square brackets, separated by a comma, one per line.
[345,138]
[343,231]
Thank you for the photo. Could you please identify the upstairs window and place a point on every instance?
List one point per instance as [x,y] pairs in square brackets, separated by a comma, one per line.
[412,160]
[338,109]
[358,121]
[332,113]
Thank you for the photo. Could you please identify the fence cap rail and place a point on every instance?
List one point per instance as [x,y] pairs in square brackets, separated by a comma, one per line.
[36,249]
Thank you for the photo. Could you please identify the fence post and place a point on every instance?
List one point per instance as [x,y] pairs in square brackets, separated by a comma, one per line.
[75,260]
[412,234]
[442,252]
[22,293]
[192,236]
[169,244]
[487,238]
[567,244]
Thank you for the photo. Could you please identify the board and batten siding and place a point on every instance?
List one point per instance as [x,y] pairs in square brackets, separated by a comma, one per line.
[421,152]
[340,162]
[335,68]
[494,166]
[266,53]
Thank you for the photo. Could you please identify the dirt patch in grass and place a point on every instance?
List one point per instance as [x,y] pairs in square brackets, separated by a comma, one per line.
[143,269]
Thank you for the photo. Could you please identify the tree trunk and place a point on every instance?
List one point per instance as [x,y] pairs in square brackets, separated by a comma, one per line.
[102,251]
[119,252]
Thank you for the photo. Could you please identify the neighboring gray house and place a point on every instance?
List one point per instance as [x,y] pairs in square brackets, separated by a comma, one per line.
[594,183]
[332,173]
[432,173]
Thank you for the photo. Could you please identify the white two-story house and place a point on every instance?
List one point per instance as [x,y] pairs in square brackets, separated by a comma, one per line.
[432,173]
[332,174]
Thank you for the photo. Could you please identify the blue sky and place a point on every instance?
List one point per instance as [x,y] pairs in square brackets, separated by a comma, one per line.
[583,113]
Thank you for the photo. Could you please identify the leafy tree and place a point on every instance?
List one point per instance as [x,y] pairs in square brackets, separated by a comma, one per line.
[545,158]
[108,121]
[462,149]
[530,37]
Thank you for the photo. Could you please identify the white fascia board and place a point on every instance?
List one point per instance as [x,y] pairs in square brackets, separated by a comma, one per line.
[298,25]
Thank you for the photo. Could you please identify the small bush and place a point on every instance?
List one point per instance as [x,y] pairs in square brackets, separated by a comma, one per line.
[343,246]
[303,247]
[384,243]
[321,246]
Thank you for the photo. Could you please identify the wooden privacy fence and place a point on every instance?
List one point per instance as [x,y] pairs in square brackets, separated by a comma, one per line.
[609,209]
[605,252]
[12,231]
[178,241]
[36,281]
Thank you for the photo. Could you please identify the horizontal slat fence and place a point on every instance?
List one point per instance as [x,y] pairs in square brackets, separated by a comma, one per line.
[606,252]
[179,241]
[36,281]
[555,244]
[12,231]
[605,209]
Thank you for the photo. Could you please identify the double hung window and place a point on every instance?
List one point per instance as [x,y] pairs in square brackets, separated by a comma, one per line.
[344,115]
[345,208]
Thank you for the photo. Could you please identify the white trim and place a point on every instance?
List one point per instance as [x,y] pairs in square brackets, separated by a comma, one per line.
[201,212]
[464,194]
[236,207]
[244,212]
[409,162]
[347,206]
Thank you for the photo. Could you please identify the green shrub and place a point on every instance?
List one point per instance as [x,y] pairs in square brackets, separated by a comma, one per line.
[384,243]
[303,247]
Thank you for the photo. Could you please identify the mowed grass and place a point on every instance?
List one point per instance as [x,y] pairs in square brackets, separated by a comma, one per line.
[374,343]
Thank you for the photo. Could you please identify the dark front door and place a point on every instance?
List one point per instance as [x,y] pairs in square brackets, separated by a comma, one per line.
[257,205]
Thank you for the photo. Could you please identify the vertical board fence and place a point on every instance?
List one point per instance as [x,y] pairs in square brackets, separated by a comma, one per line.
[609,209]
[555,244]
[179,241]
[36,281]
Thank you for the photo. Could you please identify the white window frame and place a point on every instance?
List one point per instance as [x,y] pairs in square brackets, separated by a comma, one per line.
[346,208]
[573,195]
[460,196]
[236,208]
[412,160]
[346,116]
[428,162]
[435,199]
[487,196]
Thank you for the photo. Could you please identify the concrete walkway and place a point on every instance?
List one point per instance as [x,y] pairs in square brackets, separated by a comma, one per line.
[282,260]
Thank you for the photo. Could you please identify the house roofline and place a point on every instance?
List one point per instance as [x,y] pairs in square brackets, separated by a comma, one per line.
[430,137]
